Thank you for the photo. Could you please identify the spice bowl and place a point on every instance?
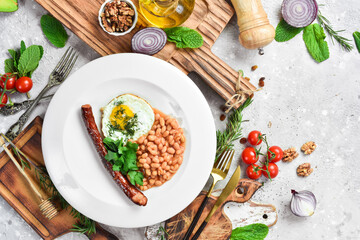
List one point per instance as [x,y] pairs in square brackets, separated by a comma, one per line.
[118,17]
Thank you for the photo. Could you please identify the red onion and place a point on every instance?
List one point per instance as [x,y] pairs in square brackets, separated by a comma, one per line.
[299,13]
[148,41]
[303,203]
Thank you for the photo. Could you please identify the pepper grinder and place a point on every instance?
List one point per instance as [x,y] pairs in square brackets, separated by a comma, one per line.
[255,29]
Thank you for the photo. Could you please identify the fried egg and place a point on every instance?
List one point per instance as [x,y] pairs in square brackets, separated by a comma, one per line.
[127,117]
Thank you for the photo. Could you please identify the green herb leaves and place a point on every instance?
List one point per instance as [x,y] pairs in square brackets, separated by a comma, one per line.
[256,231]
[54,31]
[123,158]
[184,37]
[357,40]
[285,32]
[314,40]
[24,61]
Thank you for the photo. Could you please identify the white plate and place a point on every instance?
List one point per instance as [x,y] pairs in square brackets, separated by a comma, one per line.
[76,169]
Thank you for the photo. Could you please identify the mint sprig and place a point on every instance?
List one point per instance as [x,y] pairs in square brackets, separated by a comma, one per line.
[314,38]
[54,31]
[284,32]
[357,40]
[184,37]
[256,231]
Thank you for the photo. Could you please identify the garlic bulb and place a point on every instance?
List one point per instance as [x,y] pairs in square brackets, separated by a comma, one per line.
[303,203]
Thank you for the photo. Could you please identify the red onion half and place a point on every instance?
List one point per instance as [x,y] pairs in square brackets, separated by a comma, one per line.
[299,13]
[148,41]
[303,203]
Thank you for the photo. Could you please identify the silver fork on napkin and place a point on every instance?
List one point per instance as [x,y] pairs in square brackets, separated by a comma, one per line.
[57,76]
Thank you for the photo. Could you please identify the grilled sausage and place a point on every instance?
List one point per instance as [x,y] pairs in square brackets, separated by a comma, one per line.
[130,190]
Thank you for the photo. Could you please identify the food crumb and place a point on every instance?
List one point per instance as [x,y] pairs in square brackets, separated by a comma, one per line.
[243,140]
[269,124]
[261,83]
[222,117]
[247,78]
[224,108]
[253,68]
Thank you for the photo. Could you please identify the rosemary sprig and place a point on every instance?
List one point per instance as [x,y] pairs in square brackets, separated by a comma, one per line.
[162,233]
[344,42]
[232,132]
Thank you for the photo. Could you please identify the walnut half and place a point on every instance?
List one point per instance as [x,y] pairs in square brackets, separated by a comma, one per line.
[304,170]
[308,147]
[290,154]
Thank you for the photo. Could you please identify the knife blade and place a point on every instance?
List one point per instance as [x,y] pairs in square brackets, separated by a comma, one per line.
[230,186]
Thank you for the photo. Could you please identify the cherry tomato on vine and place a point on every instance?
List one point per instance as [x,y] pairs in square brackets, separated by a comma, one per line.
[23,84]
[253,171]
[249,155]
[273,170]
[275,154]
[10,78]
[254,138]
[3,100]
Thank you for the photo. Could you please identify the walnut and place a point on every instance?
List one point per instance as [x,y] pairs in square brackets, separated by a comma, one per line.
[304,170]
[290,154]
[118,16]
[308,147]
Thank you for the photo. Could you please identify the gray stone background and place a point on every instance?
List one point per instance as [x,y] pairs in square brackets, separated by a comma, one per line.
[302,99]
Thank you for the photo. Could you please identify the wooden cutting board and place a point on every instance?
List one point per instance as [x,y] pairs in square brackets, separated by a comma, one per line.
[209,18]
[219,227]
[17,192]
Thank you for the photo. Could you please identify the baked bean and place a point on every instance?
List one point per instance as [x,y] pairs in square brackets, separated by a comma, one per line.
[146,165]
[158,132]
[145,155]
[180,151]
[171,150]
[166,133]
[172,142]
[162,122]
[147,172]
[156,159]
[174,124]
[155,165]
[176,167]
[157,116]
[142,160]
[160,146]
[176,146]
[151,137]
[161,159]
[158,183]
[145,141]
[168,127]
[151,132]
[154,173]
[167,168]
[142,147]
[148,160]
[141,139]
[163,165]
[180,160]
[164,149]
[163,129]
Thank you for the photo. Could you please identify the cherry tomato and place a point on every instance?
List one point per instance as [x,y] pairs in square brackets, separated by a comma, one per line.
[249,155]
[253,171]
[3,100]
[24,84]
[273,170]
[254,138]
[11,79]
[276,154]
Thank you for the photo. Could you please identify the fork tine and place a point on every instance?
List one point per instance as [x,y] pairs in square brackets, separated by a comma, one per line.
[226,159]
[222,160]
[61,60]
[69,68]
[229,161]
[67,62]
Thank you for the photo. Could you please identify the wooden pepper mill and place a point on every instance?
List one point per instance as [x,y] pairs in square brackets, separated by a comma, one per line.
[254,26]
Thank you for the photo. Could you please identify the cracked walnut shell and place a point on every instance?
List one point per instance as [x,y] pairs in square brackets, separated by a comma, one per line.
[308,147]
[304,170]
[290,154]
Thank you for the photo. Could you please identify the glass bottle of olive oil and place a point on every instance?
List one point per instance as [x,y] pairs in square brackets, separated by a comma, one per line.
[166,13]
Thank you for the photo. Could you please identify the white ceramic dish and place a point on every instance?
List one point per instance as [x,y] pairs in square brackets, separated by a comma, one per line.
[76,169]
[118,33]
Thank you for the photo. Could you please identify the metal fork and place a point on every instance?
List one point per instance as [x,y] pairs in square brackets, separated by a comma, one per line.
[57,76]
[219,172]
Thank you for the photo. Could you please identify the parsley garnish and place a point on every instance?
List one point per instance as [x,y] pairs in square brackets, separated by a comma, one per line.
[123,158]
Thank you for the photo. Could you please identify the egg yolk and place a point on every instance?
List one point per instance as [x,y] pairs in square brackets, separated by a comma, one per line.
[120,115]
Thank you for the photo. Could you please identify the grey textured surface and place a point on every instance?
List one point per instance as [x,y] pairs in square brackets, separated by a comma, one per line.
[303,100]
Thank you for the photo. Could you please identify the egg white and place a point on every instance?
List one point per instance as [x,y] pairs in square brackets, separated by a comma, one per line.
[143,110]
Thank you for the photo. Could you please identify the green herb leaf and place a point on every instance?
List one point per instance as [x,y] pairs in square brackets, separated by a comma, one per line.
[54,31]
[314,40]
[9,66]
[256,231]
[357,40]
[184,37]
[29,60]
[110,144]
[285,32]
[136,177]
[22,47]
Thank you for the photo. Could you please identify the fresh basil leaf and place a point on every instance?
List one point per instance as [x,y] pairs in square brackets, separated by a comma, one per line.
[22,47]
[357,40]
[9,66]
[284,32]
[29,60]
[54,31]
[313,37]
[256,231]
